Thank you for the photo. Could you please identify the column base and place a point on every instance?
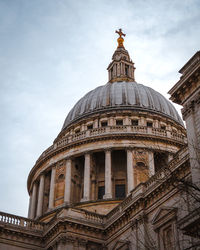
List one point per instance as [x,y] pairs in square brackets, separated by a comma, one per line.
[107,196]
[84,199]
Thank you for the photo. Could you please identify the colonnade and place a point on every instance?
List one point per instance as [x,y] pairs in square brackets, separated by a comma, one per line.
[37,195]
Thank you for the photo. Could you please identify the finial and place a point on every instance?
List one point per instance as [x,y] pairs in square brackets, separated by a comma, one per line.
[120,39]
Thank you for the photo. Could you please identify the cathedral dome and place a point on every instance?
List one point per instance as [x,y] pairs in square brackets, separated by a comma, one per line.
[122,95]
[114,138]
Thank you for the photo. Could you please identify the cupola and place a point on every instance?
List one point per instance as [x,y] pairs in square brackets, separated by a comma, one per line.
[121,68]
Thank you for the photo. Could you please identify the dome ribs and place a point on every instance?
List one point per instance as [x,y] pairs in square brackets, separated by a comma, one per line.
[117,95]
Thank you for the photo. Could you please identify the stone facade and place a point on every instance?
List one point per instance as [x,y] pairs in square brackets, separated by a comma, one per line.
[111,178]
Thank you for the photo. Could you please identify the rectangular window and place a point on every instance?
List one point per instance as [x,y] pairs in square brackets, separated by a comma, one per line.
[149,124]
[77,131]
[119,122]
[163,127]
[120,191]
[101,192]
[134,122]
[104,124]
[90,126]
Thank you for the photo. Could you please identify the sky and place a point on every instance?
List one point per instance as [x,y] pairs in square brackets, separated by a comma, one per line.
[52,52]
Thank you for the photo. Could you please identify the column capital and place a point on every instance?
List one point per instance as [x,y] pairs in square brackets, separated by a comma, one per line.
[109,149]
[42,174]
[129,148]
[69,158]
[87,152]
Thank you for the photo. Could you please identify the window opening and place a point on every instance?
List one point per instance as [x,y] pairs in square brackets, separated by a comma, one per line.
[104,124]
[126,70]
[101,192]
[134,122]
[119,122]
[120,191]
[149,124]
[90,126]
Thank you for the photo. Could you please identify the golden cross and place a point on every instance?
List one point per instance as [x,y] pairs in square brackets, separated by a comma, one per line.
[120,33]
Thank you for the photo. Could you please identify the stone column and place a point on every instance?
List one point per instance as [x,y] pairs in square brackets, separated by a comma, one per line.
[108,175]
[86,188]
[130,176]
[68,174]
[151,164]
[40,196]
[52,188]
[29,207]
[33,201]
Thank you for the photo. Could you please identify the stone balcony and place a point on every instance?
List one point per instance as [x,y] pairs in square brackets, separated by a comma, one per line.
[125,130]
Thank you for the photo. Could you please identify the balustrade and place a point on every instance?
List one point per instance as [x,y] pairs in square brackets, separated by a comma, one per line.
[114,129]
[94,217]
[20,221]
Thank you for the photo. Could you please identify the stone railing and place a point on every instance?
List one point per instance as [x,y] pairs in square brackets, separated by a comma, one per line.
[19,221]
[109,130]
[119,129]
[94,217]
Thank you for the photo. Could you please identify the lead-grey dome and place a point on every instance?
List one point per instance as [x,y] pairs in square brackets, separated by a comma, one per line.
[122,95]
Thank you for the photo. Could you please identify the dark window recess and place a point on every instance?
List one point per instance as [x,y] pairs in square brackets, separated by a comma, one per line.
[77,131]
[119,122]
[120,191]
[101,192]
[134,122]
[104,124]
[149,124]
[111,71]
[90,126]
[126,70]
[163,127]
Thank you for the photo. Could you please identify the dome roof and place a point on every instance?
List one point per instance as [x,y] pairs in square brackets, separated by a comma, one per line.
[122,95]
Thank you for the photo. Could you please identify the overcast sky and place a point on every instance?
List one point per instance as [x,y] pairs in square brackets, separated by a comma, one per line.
[52,52]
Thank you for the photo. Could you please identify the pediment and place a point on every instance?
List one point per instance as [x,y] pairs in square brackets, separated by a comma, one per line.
[162,213]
